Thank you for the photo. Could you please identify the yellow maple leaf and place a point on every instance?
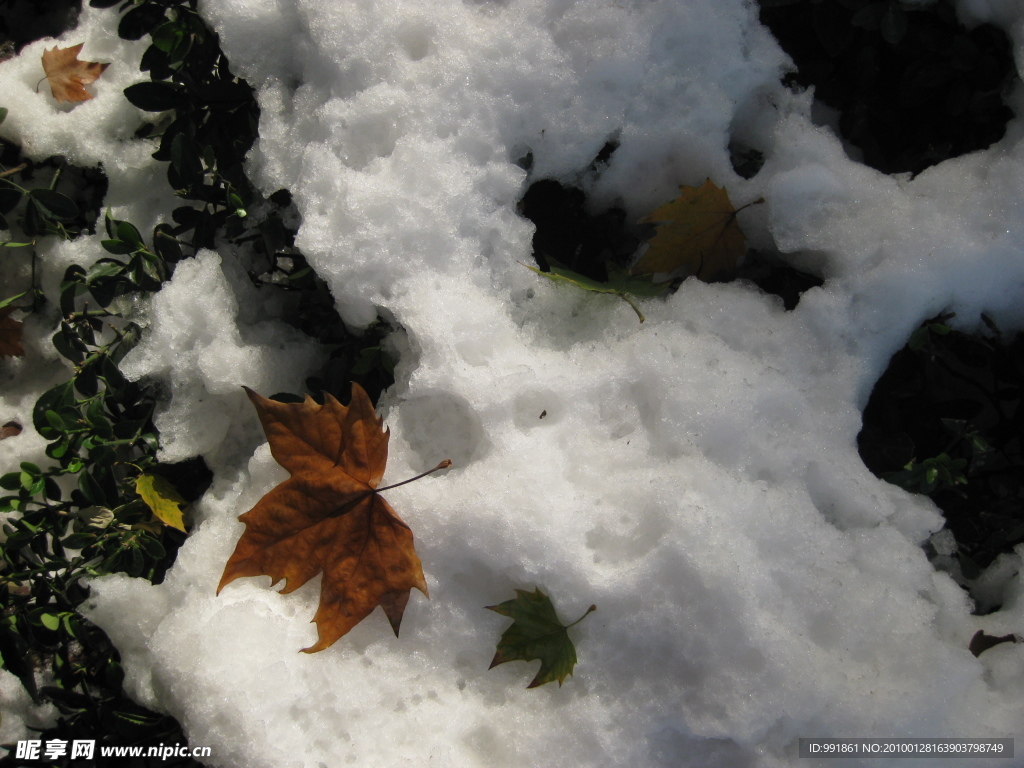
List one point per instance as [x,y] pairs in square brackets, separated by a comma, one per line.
[162,498]
[698,232]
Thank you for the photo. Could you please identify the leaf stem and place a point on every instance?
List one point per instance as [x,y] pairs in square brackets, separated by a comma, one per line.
[444,464]
[629,301]
[590,610]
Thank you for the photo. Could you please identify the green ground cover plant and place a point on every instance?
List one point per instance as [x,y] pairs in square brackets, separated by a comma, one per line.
[83,515]
[946,420]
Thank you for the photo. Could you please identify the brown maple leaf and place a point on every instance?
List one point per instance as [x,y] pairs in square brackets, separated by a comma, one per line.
[10,334]
[68,75]
[328,516]
[982,641]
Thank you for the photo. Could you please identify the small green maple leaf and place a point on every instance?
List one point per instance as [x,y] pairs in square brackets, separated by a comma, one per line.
[536,633]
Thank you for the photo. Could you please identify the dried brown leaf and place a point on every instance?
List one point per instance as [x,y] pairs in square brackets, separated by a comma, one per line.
[328,517]
[68,75]
[10,334]
[982,641]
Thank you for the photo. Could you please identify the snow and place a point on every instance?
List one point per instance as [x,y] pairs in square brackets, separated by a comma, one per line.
[696,477]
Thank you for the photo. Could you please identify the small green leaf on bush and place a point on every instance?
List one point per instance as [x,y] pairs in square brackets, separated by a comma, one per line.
[186,164]
[117,247]
[50,621]
[893,24]
[536,633]
[102,269]
[154,97]
[169,36]
[91,489]
[58,206]
[127,233]
[10,196]
[163,498]
[139,21]
[55,420]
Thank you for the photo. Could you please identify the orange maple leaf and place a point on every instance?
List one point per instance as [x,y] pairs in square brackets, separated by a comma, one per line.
[68,75]
[328,516]
[10,334]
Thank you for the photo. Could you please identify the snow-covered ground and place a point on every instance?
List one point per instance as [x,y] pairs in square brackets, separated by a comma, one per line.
[696,477]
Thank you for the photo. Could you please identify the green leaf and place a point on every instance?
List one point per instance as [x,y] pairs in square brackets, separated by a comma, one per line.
[35,219]
[620,283]
[103,268]
[50,621]
[127,232]
[117,247]
[10,196]
[163,498]
[154,97]
[11,299]
[55,420]
[536,633]
[893,24]
[186,164]
[140,20]
[32,469]
[91,489]
[869,17]
[165,245]
[169,36]
[58,206]
[56,399]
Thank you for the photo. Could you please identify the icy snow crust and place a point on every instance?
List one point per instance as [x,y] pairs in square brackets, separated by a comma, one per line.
[696,476]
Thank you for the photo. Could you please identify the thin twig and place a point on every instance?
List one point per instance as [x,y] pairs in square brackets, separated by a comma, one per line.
[13,170]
